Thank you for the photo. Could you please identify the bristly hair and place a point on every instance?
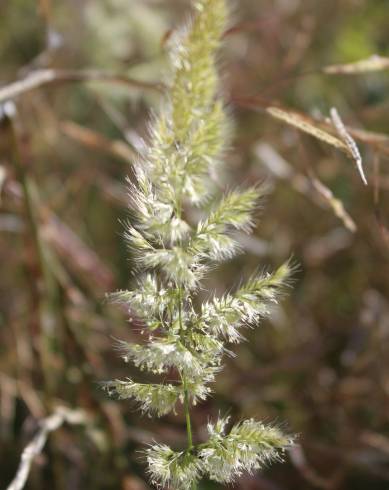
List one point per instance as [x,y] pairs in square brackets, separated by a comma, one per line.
[174,171]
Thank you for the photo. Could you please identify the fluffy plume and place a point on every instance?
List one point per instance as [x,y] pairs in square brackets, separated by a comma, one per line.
[187,140]
[177,470]
[247,447]
[224,316]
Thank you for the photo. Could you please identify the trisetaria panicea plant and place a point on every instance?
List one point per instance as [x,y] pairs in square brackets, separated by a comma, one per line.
[176,171]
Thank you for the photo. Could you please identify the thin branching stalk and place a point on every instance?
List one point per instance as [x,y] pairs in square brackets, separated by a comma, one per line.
[48,76]
[172,255]
[184,383]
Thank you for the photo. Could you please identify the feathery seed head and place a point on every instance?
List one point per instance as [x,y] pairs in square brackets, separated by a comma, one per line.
[174,171]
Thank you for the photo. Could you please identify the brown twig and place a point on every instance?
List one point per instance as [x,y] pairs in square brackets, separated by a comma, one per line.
[92,139]
[44,77]
[335,204]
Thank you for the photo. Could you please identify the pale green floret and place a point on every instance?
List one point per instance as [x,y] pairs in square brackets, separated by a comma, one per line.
[197,385]
[178,264]
[149,302]
[176,470]
[149,296]
[152,398]
[212,244]
[187,163]
[152,216]
[162,354]
[226,315]
[188,137]
[206,143]
[248,446]
[235,211]
[186,342]
[159,399]
[137,242]
[205,343]
[196,80]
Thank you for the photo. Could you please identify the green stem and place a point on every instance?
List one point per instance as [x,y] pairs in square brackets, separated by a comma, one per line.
[184,380]
[188,421]
[187,415]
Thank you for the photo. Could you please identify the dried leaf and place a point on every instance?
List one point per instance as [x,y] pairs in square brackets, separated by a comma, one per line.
[348,140]
[374,63]
[3,176]
[335,204]
[304,124]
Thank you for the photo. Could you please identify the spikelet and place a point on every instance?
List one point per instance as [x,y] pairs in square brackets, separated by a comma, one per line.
[248,446]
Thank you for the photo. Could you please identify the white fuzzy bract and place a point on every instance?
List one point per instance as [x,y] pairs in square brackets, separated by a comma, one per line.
[247,447]
[177,470]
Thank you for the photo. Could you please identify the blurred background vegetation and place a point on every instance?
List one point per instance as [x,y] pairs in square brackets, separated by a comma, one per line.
[321,365]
